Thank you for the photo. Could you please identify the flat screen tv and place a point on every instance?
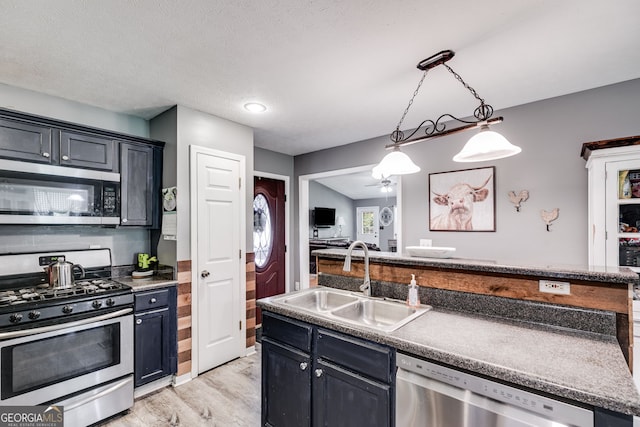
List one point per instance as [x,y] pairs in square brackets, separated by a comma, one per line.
[324,217]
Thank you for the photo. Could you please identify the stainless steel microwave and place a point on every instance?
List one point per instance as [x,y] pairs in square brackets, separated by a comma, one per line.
[31,193]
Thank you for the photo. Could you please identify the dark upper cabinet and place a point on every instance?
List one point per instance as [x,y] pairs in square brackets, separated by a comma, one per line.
[29,138]
[155,353]
[21,140]
[140,187]
[88,151]
[338,379]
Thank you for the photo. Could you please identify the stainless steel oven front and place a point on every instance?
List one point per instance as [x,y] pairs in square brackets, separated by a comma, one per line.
[65,363]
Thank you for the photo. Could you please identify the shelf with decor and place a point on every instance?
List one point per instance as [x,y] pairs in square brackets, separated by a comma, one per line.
[614,202]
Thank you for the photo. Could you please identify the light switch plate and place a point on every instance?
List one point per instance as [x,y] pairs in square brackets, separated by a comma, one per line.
[555,287]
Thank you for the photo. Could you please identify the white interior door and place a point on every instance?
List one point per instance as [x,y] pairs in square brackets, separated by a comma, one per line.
[219,217]
[368,224]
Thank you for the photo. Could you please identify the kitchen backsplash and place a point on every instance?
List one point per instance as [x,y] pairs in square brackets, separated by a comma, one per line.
[124,243]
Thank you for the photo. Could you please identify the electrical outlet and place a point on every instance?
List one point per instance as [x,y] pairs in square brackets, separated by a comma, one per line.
[555,287]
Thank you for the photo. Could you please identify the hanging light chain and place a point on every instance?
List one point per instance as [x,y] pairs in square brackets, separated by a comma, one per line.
[484,111]
[469,88]
[406,110]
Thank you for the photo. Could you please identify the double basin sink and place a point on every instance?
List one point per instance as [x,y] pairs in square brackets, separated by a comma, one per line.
[379,314]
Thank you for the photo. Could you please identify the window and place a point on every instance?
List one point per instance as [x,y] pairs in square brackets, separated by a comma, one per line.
[262,239]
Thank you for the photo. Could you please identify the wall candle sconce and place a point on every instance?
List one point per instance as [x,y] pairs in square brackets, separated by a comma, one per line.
[517,199]
[549,217]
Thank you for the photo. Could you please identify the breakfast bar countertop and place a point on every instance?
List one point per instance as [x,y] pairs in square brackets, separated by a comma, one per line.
[621,275]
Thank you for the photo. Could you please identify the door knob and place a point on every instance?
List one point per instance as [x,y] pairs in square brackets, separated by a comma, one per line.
[65,157]
[318,373]
[45,154]
[303,366]
[204,274]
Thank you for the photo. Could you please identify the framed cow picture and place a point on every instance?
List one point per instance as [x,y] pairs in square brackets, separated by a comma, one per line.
[463,200]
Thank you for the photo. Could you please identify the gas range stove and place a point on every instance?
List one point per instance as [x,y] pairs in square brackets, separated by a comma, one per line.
[26,302]
[99,287]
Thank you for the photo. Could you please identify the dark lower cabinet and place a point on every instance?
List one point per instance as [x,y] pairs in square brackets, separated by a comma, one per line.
[286,374]
[312,376]
[155,331]
[344,398]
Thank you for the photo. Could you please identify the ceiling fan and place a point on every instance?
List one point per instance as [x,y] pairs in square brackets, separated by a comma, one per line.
[385,185]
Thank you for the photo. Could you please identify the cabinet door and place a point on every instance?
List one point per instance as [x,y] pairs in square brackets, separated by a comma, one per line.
[25,141]
[87,151]
[152,351]
[342,398]
[136,185]
[286,389]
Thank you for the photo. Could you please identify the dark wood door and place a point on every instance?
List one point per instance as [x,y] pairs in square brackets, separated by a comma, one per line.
[269,253]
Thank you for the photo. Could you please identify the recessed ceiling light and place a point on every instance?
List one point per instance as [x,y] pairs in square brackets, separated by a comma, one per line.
[255,107]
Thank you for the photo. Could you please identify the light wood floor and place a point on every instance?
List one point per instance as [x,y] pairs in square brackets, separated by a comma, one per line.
[227,396]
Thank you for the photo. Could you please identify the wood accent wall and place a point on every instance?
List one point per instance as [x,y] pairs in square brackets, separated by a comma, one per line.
[184,317]
[184,311]
[586,294]
[251,300]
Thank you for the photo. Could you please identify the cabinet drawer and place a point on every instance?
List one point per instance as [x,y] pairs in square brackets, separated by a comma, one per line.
[287,331]
[368,358]
[152,299]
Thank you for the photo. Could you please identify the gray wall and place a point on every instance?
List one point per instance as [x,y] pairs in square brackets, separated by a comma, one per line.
[122,242]
[164,127]
[322,196]
[551,133]
[189,127]
[31,102]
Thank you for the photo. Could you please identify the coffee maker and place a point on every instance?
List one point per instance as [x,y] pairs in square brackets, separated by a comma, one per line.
[144,262]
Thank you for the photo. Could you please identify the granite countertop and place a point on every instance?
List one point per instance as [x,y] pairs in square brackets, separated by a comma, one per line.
[147,283]
[581,366]
[612,275]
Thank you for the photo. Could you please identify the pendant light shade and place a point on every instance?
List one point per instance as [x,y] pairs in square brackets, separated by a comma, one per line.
[486,145]
[394,163]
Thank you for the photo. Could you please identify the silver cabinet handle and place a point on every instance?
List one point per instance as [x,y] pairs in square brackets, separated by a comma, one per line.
[65,157]
[303,366]
[124,220]
[153,300]
[45,154]
[138,321]
[204,274]
[318,373]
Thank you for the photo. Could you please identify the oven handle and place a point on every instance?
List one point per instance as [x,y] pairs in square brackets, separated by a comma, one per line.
[34,331]
[98,395]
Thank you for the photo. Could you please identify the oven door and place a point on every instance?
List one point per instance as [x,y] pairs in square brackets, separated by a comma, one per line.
[45,364]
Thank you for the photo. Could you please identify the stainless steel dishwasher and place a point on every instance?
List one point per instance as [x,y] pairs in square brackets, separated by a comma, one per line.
[431,395]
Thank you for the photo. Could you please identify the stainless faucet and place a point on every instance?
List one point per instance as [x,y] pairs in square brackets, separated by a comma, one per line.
[366,286]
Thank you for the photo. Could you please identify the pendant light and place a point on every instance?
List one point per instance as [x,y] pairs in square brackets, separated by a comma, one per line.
[485,145]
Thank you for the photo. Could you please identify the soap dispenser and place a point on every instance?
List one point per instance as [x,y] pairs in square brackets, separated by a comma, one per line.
[413,300]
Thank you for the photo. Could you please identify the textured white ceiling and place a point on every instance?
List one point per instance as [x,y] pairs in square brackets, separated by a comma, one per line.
[359,185]
[331,72]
